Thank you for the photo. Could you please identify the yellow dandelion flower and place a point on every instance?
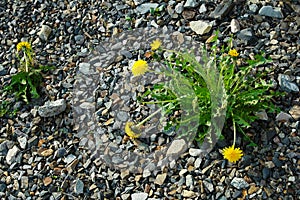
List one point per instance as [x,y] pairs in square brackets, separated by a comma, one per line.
[139,67]
[24,45]
[233,53]
[155,44]
[131,131]
[232,154]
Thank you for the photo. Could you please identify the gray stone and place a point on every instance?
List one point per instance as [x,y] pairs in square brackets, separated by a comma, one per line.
[253,8]
[2,71]
[22,142]
[79,39]
[79,186]
[144,8]
[262,115]
[12,154]
[52,108]
[139,196]
[45,32]
[176,147]
[200,27]
[247,36]
[179,8]
[202,9]
[122,116]
[234,26]
[283,117]
[3,148]
[195,152]
[191,4]
[24,182]
[208,185]
[222,9]
[286,84]
[2,187]
[84,68]
[269,11]
[239,183]
[70,158]
[189,180]
[126,53]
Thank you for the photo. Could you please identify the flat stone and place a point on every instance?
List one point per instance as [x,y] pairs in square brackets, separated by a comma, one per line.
[262,115]
[79,39]
[179,8]
[283,117]
[144,8]
[176,147]
[45,32]
[195,152]
[52,108]
[22,142]
[191,4]
[45,152]
[160,179]
[2,71]
[202,8]
[295,112]
[2,187]
[222,9]
[286,84]
[269,11]
[208,185]
[239,183]
[253,8]
[12,154]
[189,180]
[139,196]
[200,27]
[247,36]
[189,194]
[79,186]
[47,181]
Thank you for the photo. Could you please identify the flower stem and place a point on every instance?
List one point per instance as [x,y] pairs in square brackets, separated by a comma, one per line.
[234,132]
[150,116]
[26,62]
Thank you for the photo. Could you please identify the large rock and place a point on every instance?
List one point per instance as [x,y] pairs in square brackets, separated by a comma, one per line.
[52,108]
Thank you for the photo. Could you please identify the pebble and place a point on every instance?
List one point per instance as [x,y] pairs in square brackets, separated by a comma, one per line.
[12,154]
[144,8]
[295,112]
[222,9]
[247,36]
[269,11]
[202,9]
[176,147]
[234,26]
[160,179]
[179,8]
[189,194]
[79,39]
[52,108]
[209,186]
[139,196]
[239,183]
[283,117]
[191,4]
[79,186]
[45,32]
[286,84]
[200,27]
[22,142]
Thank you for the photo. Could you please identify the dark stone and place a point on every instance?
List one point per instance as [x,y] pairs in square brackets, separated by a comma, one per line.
[2,187]
[61,152]
[266,173]
[277,162]
[236,194]
[222,9]
[247,36]
[286,141]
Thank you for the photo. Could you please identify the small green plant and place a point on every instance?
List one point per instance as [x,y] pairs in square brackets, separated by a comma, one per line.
[25,84]
[4,108]
[242,89]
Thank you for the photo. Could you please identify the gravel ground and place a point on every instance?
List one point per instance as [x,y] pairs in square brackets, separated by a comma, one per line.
[41,151]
